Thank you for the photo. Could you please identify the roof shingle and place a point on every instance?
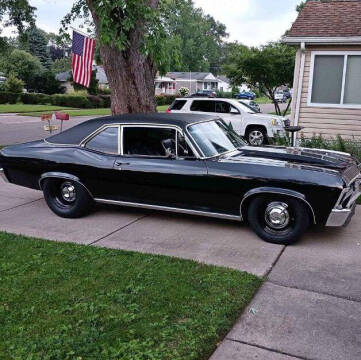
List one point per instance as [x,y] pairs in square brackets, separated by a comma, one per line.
[332,18]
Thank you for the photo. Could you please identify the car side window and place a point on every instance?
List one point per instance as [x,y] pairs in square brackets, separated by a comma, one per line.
[223,107]
[148,141]
[203,105]
[106,141]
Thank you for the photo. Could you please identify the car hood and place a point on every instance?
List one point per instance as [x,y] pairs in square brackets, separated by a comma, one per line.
[268,116]
[302,158]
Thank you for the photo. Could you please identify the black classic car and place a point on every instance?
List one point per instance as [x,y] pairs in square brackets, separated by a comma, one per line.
[186,163]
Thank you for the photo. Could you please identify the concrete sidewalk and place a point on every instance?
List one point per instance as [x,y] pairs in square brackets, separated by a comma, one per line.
[309,307]
[212,241]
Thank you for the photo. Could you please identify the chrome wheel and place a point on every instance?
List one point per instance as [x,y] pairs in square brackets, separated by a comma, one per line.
[256,137]
[67,191]
[277,216]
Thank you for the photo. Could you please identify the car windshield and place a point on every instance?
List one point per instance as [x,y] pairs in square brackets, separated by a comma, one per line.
[246,108]
[215,137]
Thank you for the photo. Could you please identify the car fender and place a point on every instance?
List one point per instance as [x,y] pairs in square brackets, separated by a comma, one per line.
[274,190]
[62,175]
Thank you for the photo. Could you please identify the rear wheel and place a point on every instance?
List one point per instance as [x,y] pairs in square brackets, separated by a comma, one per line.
[67,198]
[279,220]
[256,136]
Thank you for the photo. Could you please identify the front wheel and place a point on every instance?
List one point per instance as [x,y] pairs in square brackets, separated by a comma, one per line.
[278,219]
[67,198]
[256,136]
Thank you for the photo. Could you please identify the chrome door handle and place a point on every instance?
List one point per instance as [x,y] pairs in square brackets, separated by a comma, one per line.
[118,164]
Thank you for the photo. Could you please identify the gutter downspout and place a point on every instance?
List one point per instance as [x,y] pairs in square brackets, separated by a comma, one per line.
[299,89]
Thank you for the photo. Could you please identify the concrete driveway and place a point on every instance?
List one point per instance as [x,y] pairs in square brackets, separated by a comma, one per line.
[308,308]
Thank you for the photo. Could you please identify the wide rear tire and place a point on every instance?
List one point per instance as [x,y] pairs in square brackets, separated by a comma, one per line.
[278,219]
[66,198]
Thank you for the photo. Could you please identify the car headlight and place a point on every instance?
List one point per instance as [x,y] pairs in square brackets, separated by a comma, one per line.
[276,122]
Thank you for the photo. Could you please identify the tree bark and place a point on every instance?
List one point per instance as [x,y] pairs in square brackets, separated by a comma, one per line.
[130,74]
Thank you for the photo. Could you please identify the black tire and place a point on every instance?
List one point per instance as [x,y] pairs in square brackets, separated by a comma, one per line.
[78,203]
[259,131]
[260,218]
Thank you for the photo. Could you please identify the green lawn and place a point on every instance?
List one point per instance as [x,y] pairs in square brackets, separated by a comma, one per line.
[91,112]
[24,108]
[263,100]
[66,301]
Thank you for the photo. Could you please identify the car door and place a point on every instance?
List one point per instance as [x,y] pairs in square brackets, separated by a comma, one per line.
[231,115]
[94,163]
[152,170]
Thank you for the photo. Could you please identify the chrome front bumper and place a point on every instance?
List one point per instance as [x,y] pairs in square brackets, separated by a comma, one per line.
[344,209]
[2,175]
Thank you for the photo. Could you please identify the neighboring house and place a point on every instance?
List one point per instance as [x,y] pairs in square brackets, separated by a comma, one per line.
[165,85]
[327,83]
[194,81]
[224,85]
[101,77]
[64,78]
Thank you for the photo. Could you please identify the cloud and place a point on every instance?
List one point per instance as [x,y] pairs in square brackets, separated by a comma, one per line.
[252,22]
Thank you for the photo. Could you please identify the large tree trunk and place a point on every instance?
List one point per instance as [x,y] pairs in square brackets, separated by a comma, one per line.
[130,74]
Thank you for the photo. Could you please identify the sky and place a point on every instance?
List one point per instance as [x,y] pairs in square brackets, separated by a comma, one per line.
[251,22]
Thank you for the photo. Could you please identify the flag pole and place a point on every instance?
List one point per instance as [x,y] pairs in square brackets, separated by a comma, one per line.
[81,32]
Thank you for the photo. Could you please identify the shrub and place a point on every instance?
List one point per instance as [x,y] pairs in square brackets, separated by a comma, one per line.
[8,97]
[33,98]
[95,101]
[70,101]
[164,99]
[45,83]
[183,91]
[106,100]
[104,91]
[351,146]
[13,84]
[225,94]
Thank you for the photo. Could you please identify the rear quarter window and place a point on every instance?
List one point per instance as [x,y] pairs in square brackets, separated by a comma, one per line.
[177,105]
[203,105]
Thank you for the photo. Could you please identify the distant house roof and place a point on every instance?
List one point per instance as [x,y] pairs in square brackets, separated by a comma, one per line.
[200,76]
[327,19]
[224,79]
[63,76]
[164,79]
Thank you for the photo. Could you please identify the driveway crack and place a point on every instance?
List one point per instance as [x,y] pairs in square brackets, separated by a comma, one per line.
[268,349]
[121,228]
[17,206]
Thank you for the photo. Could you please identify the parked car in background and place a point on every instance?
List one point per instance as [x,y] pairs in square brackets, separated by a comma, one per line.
[255,128]
[287,93]
[190,164]
[247,95]
[205,93]
[280,96]
[252,104]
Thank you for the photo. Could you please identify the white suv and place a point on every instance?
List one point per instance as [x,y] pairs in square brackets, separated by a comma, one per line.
[254,127]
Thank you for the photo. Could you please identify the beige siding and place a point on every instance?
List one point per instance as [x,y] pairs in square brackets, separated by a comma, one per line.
[322,120]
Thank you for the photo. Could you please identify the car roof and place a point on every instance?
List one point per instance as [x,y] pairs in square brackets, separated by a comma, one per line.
[76,134]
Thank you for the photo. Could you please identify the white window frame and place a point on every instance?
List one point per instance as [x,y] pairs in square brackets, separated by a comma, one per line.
[341,105]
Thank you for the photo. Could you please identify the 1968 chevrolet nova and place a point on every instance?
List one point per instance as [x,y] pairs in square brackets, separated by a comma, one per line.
[191,164]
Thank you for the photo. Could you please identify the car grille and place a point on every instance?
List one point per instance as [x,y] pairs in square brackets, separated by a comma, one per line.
[287,122]
[351,173]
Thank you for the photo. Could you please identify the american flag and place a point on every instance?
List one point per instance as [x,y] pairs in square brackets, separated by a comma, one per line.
[83,53]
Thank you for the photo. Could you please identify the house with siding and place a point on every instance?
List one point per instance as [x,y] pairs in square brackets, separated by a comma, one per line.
[194,81]
[327,82]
